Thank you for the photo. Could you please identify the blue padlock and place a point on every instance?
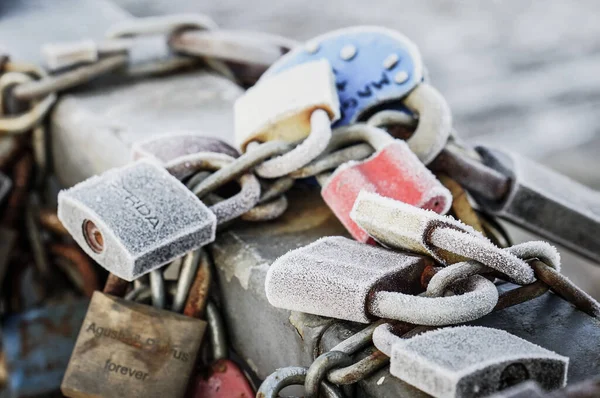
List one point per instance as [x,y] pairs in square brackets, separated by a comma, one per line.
[38,345]
[372,66]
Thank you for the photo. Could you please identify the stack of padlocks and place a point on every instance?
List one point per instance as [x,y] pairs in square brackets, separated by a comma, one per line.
[329,112]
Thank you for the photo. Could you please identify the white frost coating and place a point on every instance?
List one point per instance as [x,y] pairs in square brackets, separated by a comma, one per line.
[400,225]
[484,251]
[440,282]
[525,251]
[146,216]
[384,339]
[469,361]
[544,251]
[334,277]
[435,122]
[187,165]
[302,154]
[279,108]
[479,297]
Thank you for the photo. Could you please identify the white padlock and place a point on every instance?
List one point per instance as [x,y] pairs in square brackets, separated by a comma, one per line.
[299,103]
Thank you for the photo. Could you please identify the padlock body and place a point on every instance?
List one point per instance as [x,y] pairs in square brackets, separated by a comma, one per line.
[280,108]
[393,172]
[126,349]
[372,65]
[37,347]
[145,218]
[334,277]
[546,203]
[224,380]
[474,362]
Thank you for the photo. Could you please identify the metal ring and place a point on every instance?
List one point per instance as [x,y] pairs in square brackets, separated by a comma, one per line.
[332,160]
[218,336]
[276,188]
[157,287]
[318,370]
[562,286]
[164,24]
[198,293]
[240,165]
[83,74]
[267,211]
[475,298]
[189,267]
[291,376]
[304,153]
[28,120]
[389,117]
[435,122]
[229,208]
[356,372]
[472,247]
[234,46]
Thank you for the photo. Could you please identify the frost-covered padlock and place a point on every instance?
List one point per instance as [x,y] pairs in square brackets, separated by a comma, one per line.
[393,171]
[297,104]
[401,226]
[468,361]
[136,218]
[376,68]
[341,278]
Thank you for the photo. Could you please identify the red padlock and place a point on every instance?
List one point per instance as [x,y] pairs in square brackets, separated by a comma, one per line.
[223,379]
[393,171]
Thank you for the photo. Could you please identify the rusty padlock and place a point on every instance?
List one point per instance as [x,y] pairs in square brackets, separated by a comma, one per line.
[394,171]
[130,349]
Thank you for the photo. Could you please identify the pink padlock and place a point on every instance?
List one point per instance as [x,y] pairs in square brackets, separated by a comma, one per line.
[225,380]
[393,171]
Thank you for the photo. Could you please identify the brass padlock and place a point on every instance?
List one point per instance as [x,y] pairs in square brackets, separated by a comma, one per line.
[126,349]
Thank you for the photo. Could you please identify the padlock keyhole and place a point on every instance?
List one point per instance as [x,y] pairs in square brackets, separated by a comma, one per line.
[512,375]
[93,236]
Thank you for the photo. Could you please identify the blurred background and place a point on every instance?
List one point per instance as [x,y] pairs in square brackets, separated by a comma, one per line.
[520,75]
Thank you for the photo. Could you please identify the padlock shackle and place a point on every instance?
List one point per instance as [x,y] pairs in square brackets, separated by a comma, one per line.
[475,297]
[435,122]
[306,151]
[229,208]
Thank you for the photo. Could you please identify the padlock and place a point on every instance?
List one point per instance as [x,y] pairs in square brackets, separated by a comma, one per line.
[341,278]
[38,344]
[545,202]
[223,378]
[375,68]
[394,171]
[446,239]
[130,349]
[134,219]
[297,104]
[469,361]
